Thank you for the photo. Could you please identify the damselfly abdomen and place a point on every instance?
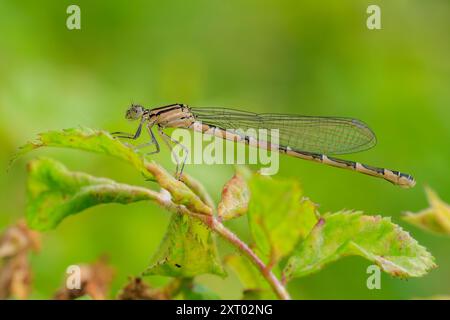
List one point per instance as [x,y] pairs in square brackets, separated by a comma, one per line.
[305,137]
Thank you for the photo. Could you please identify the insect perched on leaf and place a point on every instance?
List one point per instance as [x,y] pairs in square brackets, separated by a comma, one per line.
[305,137]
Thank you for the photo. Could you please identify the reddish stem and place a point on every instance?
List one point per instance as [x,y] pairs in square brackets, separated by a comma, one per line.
[225,233]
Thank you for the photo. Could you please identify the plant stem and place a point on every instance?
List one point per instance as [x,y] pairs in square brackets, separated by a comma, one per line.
[194,187]
[225,233]
[229,236]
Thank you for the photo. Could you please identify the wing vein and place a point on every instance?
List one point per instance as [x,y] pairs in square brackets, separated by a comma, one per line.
[325,135]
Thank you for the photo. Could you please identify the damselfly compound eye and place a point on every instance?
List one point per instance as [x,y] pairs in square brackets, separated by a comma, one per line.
[134,112]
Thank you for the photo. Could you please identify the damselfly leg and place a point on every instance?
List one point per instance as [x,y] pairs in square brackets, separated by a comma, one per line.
[168,139]
[153,142]
[125,135]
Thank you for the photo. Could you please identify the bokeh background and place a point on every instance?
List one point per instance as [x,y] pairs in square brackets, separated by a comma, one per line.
[300,57]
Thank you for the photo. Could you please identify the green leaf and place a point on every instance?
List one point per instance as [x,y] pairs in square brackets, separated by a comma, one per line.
[279,216]
[254,285]
[188,249]
[435,219]
[235,198]
[102,142]
[53,193]
[246,272]
[196,291]
[87,139]
[372,237]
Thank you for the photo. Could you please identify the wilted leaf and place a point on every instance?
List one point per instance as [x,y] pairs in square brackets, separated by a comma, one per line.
[188,249]
[184,288]
[137,289]
[372,237]
[235,198]
[17,239]
[54,193]
[102,142]
[279,215]
[15,272]
[95,280]
[436,218]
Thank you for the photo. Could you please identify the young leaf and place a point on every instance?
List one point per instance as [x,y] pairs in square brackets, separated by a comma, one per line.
[102,142]
[54,193]
[436,218]
[188,249]
[278,215]
[235,198]
[372,237]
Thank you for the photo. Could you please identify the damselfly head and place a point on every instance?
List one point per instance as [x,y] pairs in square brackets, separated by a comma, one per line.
[134,112]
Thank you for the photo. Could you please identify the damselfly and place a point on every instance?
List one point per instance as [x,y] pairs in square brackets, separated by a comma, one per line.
[305,137]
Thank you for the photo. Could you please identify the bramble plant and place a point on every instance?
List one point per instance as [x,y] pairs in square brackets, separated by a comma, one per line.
[290,238]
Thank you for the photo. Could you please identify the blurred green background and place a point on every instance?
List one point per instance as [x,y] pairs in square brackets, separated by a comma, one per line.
[301,57]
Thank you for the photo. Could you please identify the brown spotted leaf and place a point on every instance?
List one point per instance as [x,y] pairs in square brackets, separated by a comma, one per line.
[54,193]
[375,238]
[102,142]
[235,198]
[188,249]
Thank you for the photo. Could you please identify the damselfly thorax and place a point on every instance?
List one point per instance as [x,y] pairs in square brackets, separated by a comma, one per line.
[305,137]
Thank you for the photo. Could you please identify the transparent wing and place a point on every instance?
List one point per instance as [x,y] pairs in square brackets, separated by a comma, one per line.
[325,135]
